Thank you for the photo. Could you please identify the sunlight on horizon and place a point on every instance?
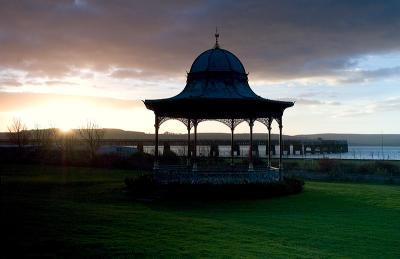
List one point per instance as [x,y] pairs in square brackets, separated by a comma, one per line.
[67,114]
[65,129]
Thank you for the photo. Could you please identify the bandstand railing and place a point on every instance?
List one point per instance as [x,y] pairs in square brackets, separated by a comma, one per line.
[216,175]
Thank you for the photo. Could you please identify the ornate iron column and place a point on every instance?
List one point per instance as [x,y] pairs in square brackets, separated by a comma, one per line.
[269,141]
[280,148]
[232,126]
[188,143]
[156,127]
[251,124]
[195,122]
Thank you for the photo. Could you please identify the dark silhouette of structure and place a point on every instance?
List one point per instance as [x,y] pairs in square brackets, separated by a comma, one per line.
[217,88]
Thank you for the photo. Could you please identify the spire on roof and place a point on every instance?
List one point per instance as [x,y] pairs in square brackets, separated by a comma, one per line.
[216,46]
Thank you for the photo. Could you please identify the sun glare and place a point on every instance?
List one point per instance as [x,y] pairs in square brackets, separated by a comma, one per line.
[65,129]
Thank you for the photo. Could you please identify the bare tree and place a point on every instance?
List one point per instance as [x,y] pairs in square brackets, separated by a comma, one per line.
[92,135]
[43,138]
[18,133]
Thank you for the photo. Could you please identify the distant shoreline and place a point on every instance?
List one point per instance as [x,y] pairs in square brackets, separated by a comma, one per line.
[352,139]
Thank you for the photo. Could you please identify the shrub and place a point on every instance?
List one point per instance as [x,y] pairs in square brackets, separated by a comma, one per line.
[377,167]
[387,168]
[169,157]
[291,165]
[327,165]
[109,161]
[365,168]
[141,161]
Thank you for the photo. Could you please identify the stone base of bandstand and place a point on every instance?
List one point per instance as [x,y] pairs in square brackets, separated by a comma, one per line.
[189,176]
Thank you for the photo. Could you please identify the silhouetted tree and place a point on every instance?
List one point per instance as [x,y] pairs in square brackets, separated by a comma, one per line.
[18,133]
[43,138]
[92,135]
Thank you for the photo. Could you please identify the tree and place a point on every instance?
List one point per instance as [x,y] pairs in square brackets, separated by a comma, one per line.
[92,135]
[18,133]
[43,138]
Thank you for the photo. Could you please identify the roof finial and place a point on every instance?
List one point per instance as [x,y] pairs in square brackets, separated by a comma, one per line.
[216,38]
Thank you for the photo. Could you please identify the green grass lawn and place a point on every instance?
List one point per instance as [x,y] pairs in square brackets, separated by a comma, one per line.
[78,212]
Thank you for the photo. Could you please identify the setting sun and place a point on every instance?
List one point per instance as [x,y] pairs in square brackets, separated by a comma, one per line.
[65,129]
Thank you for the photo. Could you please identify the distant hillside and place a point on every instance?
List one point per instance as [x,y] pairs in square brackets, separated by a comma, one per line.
[359,139]
[352,139]
[109,134]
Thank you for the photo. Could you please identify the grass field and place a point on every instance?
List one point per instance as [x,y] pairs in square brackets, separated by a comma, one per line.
[78,212]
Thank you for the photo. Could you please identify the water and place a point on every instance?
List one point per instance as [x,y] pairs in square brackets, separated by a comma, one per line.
[362,152]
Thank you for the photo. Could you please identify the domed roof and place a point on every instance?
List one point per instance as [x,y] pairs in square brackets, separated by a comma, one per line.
[217,87]
[217,60]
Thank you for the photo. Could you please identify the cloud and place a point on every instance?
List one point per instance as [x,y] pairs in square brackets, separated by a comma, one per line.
[9,82]
[388,105]
[10,102]
[379,107]
[58,82]
[274,39]
[132,73]
[364,76]
[304,101]
[352,113]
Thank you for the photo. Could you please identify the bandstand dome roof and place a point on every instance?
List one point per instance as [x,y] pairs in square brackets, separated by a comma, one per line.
[217,60]
[217,87]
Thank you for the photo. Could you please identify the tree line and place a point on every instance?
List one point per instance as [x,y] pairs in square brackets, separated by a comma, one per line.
[89,134]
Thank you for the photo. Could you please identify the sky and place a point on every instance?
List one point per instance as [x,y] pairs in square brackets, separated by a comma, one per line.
[63,63]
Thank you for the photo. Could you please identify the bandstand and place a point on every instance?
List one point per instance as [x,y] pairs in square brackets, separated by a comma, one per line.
[217,88]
